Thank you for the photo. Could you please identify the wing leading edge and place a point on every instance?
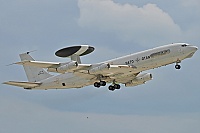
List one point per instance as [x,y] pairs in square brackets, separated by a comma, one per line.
[40,64]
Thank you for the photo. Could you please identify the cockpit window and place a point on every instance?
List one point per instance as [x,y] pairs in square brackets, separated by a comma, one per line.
[184,45]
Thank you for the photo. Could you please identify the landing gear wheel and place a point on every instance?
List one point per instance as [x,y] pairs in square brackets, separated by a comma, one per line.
[178,66]
[111,88]
[117,86]
[97,84]
[102,83]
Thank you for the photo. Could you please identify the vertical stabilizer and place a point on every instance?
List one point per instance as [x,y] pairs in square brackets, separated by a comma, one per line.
[34,74]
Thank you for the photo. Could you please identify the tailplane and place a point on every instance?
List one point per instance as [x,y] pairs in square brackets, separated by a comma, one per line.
[34,74]
[25,85]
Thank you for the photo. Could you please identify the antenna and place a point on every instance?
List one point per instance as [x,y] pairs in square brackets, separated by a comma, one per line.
[74,52]
[30,51]
[26,53]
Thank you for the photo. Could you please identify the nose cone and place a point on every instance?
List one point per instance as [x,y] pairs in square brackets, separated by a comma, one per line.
[194,48]
[191,50]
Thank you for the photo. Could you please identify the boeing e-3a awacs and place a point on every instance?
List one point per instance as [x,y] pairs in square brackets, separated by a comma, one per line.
[125,70]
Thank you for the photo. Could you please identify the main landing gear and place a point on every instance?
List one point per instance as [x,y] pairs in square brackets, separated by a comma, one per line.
[99,84]
[103,83]
[113,87]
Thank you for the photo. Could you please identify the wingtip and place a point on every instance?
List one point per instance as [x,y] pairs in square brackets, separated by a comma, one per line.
[10,64]
[7,82]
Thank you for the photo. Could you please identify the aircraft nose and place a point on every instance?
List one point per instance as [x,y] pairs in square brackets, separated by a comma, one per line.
[195,48]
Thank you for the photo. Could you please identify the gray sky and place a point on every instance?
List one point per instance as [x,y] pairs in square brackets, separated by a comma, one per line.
[168,103]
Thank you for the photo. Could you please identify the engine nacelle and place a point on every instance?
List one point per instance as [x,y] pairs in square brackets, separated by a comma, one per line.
[65,67]
[99,69]
[140,79]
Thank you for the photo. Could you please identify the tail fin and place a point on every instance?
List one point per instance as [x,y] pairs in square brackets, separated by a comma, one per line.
[34,74]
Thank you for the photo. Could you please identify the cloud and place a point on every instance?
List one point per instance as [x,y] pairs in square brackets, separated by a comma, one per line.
[22,116]
[128,22]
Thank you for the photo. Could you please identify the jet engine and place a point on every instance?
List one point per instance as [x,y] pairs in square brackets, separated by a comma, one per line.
[99,69]
[140,79]
[65,67]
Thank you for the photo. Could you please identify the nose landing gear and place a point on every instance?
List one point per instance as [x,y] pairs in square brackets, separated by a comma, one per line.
[177,66]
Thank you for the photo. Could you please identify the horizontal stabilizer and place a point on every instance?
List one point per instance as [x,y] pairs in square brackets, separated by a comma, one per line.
[23,84]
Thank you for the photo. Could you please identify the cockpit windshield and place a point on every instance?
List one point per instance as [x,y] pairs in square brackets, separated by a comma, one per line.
[184,45]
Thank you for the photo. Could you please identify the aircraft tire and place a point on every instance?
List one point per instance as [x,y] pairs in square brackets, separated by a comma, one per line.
[97,84]
[111,88]
[178,66]
[102,83]
[117,86]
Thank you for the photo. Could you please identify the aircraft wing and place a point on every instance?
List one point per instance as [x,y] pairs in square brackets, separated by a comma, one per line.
[23,84]
[119,73]
[54,66]
[40,64]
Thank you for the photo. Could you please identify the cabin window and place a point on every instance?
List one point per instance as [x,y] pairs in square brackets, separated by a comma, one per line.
[63,84]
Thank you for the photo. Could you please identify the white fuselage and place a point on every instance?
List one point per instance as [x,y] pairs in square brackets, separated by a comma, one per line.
[156,57]
[141,61]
